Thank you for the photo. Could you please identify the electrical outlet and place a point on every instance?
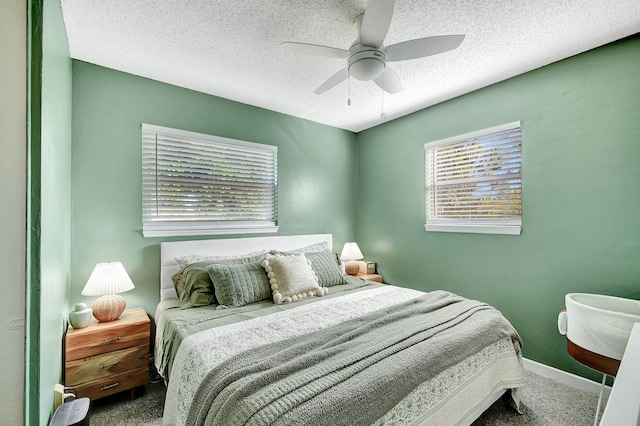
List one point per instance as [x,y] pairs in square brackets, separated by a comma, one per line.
[58,395]
[61,393]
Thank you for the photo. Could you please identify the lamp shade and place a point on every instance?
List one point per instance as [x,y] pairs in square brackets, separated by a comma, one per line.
[351,251]
[108,278]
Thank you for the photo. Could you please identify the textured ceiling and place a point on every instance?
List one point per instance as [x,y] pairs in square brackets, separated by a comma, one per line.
[229,48]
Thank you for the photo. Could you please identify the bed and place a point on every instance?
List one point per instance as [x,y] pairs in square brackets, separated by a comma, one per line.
[353,352]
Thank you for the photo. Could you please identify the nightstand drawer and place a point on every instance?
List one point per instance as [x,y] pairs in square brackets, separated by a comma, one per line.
[113,384]
[99,366]
[87,344]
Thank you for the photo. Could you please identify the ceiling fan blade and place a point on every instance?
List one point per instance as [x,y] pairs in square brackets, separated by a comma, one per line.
[315,49]
[375,22]
[421,47]
[333,81]
[389,81]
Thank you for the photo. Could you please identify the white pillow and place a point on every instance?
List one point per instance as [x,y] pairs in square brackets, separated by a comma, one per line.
[291,278]
[313,248]
[184,261]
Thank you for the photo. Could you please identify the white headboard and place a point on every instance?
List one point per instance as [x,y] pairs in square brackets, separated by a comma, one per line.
[225,247]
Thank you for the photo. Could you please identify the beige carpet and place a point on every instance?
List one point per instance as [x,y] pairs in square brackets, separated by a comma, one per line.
[544,402]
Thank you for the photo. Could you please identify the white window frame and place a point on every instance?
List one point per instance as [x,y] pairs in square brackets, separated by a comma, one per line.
[506,226]
[254,166]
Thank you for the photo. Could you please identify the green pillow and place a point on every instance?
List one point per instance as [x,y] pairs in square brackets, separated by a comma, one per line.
[193,284]
[239,285]
[326,267]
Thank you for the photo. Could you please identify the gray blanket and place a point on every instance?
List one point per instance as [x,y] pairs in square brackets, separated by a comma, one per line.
[351,373]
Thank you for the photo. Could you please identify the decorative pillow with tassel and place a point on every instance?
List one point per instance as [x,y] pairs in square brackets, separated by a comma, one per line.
[291,278]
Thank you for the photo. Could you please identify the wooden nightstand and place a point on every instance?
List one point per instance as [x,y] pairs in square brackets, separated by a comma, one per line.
[109,357]
[370,277]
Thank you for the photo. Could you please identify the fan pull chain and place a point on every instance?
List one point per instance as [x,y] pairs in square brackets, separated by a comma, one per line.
[383,116]
[349,89]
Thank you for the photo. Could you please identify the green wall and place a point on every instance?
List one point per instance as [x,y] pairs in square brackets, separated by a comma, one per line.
[316,170]
[581,195]
[49,211]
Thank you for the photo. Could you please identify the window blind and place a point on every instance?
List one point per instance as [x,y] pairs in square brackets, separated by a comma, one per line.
[474,181]
[196,184]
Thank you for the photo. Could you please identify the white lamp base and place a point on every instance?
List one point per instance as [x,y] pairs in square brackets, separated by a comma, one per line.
[108,307]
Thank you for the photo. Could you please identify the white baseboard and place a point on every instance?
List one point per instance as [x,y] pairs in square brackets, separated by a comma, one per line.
[565,378]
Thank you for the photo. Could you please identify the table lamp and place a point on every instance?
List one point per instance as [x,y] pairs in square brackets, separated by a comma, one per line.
[351,252]
[106,280]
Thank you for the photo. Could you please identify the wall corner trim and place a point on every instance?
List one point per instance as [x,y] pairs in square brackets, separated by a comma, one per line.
[564,377]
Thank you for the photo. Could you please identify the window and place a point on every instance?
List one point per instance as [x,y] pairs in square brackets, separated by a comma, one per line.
[195,184]
[474,182]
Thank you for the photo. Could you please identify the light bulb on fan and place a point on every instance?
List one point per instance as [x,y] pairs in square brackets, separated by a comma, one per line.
[367,65]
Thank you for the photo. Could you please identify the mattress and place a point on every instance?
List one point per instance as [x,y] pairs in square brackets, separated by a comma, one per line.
[192,342]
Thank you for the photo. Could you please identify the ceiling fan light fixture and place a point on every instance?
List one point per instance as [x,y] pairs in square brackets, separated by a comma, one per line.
[367,65]
[367,57]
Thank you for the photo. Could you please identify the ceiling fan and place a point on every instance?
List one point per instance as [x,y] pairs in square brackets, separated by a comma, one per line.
[367,57]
